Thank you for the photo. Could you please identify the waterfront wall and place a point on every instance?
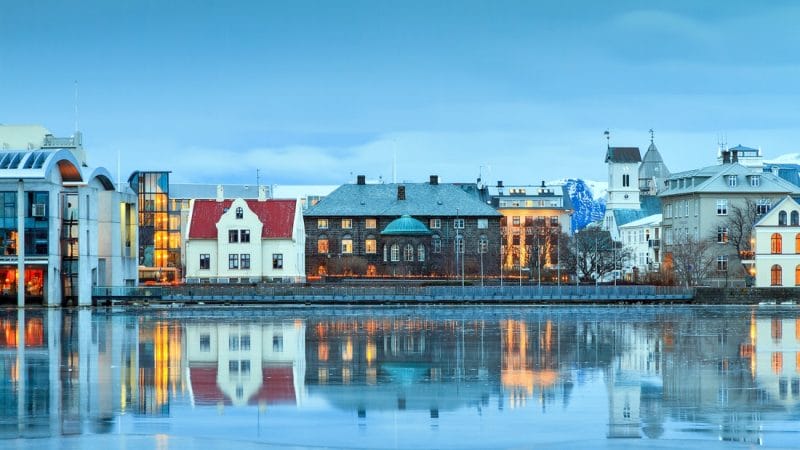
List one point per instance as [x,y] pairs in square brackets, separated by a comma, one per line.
[744,296]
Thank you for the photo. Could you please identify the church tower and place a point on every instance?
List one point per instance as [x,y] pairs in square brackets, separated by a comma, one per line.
[623,177]
[653,171]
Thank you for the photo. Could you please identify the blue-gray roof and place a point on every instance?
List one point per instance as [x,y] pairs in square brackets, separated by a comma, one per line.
[422,199]
[649,205]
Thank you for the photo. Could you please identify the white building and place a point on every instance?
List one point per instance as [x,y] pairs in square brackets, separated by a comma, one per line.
[643,238]
[777,245]
[74,231]
[245,241]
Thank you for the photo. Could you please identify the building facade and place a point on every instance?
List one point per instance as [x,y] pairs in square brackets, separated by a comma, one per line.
[245,241]
[403,230]
[777,245]
[643,240]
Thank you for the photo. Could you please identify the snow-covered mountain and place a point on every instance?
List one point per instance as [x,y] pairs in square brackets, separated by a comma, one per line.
[789,158]
[588,198]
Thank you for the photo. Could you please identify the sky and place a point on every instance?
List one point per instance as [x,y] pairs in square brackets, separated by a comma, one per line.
[319,92]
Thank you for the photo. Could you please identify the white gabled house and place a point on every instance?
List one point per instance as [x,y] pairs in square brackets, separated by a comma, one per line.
[777,245]
[245,241]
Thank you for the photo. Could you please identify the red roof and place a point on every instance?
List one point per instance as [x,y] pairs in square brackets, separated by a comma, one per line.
[277,386]
[276,215]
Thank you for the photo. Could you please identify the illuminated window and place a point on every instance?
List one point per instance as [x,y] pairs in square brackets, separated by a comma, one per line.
[395,253]
[776,329]
[776,276]
[347,244]
[322,224]
[797,243]
[515,221]
[409,253]
[233,236]
[205,261]
[420,253]
[372,270]
[371,224]
[776,244]
[777,362]
[722,235]
[370,245]
[347,223]
[322,245]
[239,213]
[277,260]
[244,236]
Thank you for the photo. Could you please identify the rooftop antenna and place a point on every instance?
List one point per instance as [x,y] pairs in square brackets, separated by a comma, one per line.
[258,179]
[652,135]
[76,104]
[607,134]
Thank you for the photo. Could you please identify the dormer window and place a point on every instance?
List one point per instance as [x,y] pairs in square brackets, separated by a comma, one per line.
[731,180]
[755,180]
[239,213]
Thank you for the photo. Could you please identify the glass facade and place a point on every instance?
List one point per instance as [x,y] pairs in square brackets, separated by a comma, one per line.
[159,228]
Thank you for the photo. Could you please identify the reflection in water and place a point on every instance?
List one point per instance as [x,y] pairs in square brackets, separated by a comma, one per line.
[624,373]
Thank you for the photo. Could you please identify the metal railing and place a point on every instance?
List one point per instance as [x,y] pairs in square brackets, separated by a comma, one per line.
[127,291]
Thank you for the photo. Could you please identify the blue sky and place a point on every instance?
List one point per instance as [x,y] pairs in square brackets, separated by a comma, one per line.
[316,92]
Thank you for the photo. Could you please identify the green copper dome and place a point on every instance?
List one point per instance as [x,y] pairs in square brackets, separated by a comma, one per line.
[406,226]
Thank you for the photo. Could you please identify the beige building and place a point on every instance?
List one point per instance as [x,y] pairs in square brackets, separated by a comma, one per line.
[777,245]
[700,203]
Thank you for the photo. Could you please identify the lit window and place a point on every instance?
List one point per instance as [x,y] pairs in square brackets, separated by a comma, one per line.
[244,236]
[776,275]
[347,244]
[233,236]
[322,224]
[239,212]
[514,221]
[322,245]
[483,224]
[347,223]
[233,261]
[722,235]
[371,224]
[205,261]
[370,245]
[776,244]
[245,261]
[277,260]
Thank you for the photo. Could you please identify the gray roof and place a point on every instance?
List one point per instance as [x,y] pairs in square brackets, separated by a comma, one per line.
[650,205]
[712,179]
[209,191]
[422,199]
[623,155]
[653,165]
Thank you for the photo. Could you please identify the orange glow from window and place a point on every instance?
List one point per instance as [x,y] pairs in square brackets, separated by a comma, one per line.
[777,362]
[347,350]
[322,351]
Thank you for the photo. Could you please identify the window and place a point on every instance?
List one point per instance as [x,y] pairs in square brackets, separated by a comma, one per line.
[409,253]
[233,342]
[762,207]
[626,180]
[722,235]
[436,243]
[245,261]
[277,343]
[322,224]
[244,236]
[233,261]
[797,243]
[722,207]
[776,275]
[244,342]
[755,180]
[795,219]
[205,261]
[435,224]
[554,221]
[420,253]
[347,244]
[782,218]
[776,244]
[395,253]
[731,180]
[385,253]
[233,236]
[668,210]
[322,245]
[205,342]
[277,260]
[371,224]
[347,223]
[797,283]
[239,213]
[483,244]
[483,224]
[460,244]
[514,221]
[722,263]
[459,223]
[370,245]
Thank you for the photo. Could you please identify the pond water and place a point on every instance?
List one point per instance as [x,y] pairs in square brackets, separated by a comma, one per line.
[560,377]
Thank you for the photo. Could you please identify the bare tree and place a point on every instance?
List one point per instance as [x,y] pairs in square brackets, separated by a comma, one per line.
[739,222]
[692,259]
[597,254]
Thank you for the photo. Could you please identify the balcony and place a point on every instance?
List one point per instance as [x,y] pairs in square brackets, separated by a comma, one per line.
[654,243]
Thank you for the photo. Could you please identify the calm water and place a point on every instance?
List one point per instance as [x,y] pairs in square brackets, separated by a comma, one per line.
[401,378]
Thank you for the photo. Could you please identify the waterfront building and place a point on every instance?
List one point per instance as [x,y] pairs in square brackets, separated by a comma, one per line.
[247,241]
[65,227]
[533,219]
[777,245]
[774,349]
[704,204]
[643,239]
[403,230]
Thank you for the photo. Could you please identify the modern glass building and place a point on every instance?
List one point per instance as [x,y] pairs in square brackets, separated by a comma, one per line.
[159,228]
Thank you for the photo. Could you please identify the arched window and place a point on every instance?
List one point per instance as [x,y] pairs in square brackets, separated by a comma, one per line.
[370,245]
[395,253]
[385,253]
[239,212]
[409,253]
[782,218]
[797,243]
[420,253]
[795,219]
[483,244]
[776,275]
[797,279]
[347,244]
[436,242]
[459,244]
[776,246]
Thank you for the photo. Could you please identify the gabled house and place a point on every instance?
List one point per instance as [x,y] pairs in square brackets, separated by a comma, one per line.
[777,245]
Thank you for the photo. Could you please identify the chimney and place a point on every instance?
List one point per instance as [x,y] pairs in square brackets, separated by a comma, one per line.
[361,180]
[726,157]
[434,180]
[401,192]
[262,193]
[543,183]
[220,193]
[499,183]
[734,156]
